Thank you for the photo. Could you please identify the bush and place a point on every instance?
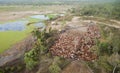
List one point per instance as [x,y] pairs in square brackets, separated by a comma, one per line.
[105,48]
[41,46]
[54,68]
[104,64]
[115,42]
[31,59]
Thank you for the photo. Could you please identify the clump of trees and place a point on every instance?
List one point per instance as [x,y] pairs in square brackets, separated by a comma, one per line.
[43,42]
[107,10]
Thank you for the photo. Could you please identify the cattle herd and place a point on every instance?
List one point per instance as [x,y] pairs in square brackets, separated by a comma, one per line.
[76,44]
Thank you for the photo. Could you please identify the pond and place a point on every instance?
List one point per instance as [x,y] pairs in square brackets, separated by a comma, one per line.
[41,17]
[15,26]
[20,25]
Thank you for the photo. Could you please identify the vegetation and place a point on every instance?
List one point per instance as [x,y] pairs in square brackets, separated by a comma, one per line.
[12,69]
[9,38]
[107,10]
[42,44]
[108,51]
[54,67]
[44,40]
[108,47]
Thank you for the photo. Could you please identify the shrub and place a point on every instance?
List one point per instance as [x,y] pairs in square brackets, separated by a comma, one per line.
[105,48]
[41,46]
[104,64]
[31,59]
[54,68]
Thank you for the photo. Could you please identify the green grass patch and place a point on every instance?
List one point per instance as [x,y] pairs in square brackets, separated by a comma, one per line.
[52,16]
[33,20]
[9,38]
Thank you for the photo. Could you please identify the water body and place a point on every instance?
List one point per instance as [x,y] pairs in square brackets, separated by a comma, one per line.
[13,26]
[41,17]
[39,25]
[21,24]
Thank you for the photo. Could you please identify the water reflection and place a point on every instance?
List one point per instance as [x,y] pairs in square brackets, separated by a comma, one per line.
[13,26]
[21,25]
[41,17]
[40,25]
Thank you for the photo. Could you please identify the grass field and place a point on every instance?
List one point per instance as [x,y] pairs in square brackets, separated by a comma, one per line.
[9,38]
